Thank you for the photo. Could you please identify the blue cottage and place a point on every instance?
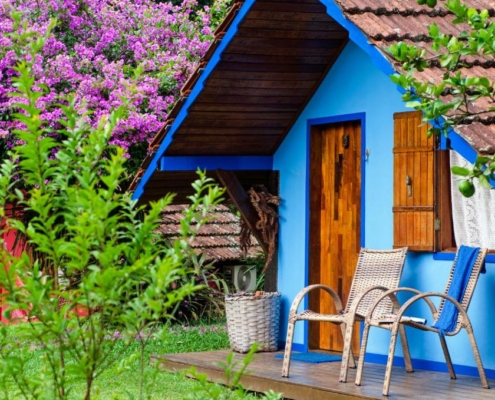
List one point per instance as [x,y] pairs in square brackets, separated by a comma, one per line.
[296,95]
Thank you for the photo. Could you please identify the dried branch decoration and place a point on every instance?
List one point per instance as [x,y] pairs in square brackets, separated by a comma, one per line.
[265,205]
[244,237]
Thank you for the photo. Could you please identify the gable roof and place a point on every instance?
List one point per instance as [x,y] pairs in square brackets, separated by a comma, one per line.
[267,59]
[217,239]
[265,77]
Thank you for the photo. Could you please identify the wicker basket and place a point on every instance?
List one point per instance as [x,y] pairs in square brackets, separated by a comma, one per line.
[253,318]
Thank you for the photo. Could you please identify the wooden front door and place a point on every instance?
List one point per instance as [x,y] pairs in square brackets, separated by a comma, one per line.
[335,204]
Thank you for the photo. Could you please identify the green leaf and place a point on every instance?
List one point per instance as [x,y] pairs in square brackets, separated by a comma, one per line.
[482,160]
[433,31]
[484,182]
[413,104]
[456,170]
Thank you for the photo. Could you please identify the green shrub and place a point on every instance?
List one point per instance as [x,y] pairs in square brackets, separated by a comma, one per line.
[207,303]
[94,251]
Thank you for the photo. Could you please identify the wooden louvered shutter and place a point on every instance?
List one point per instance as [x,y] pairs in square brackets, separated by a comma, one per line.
[414,183]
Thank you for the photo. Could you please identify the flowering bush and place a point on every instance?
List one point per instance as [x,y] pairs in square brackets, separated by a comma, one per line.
[105,51]
[91,248]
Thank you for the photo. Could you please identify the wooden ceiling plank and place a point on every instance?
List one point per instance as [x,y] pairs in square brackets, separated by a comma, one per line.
[277,59]
[238,150]
[227,115]
[221,146]
[270,92]
[290,24]
[265,100]
[288,34]
[234,123]
[249,108]
[265,84]
[291,16]
[241,199]
[282,6]
[260,75]
[225,131]
[246,139]
[284,42]
[239,66]
[278,51]
[185,177]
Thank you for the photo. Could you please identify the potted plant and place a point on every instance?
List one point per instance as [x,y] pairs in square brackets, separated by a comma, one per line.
[255,316]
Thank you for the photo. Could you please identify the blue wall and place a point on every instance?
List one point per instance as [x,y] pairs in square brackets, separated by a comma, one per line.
[356,85]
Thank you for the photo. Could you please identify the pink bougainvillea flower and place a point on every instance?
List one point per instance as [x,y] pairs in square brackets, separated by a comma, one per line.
[108,52]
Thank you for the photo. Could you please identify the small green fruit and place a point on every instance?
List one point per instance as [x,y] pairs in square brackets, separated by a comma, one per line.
[431,3]
[492,166]
[466,188]
[421,2]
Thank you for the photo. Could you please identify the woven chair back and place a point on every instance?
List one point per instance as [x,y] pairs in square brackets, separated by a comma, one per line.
[471,285]
[376,268]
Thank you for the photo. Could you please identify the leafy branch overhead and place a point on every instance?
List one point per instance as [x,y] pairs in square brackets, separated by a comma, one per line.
[460,97]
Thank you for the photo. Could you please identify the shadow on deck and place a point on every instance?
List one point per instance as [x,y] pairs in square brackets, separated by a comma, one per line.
[321,382]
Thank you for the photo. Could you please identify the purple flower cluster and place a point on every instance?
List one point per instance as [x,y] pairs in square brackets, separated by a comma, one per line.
[107,52]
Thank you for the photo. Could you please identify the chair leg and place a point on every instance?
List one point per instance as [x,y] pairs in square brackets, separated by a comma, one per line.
[288,349]
[405,348]
[446,354]
[362,352]
[347,329]
[390,361]
[477,357]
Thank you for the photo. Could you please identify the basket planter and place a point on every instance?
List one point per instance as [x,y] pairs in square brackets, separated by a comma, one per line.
[253,318]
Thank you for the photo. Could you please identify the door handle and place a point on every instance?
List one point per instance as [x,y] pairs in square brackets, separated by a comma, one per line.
[409,186]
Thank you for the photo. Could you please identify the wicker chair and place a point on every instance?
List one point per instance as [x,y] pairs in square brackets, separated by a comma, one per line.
[376,272]
[394,323]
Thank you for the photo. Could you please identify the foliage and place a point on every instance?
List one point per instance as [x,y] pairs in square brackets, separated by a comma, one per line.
[121,380]
[450,102]
[208,302]
[107,53]
[234,372]
[98,262]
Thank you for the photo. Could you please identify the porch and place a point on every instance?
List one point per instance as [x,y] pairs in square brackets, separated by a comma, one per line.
[320,381]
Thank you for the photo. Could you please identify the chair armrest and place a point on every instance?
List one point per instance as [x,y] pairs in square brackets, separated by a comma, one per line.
[391,294]
[425,296]
[297,300]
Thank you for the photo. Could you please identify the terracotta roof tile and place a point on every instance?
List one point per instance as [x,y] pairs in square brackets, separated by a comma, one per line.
[387,22]
[226,253]
[402,6]
[479,136]
[397,27]
[217,239]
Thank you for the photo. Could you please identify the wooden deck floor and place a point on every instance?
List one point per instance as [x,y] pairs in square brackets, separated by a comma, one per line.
[320,381]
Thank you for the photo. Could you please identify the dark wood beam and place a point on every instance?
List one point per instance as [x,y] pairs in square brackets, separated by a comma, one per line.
[241,199]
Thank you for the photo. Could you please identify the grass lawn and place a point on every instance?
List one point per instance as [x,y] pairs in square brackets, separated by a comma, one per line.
[181,339]
[117,384]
